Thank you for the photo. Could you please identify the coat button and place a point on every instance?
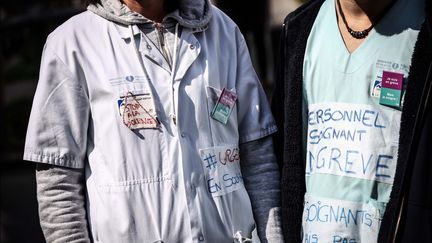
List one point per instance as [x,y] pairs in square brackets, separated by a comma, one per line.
[192,46]
[201,238]
[183,135]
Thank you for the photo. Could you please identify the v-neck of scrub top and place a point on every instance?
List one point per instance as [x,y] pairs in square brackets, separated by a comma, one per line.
[358,68]
[362,54]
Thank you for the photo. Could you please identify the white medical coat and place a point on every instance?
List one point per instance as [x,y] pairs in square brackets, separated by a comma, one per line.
[150,185]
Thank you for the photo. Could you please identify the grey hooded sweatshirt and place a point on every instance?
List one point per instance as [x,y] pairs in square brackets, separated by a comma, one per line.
[61,190]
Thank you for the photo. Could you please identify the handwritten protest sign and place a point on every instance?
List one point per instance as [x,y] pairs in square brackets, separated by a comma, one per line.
[222,169]
[353,140]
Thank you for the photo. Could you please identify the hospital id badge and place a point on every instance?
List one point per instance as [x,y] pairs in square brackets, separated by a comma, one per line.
[224,106]
[138,111]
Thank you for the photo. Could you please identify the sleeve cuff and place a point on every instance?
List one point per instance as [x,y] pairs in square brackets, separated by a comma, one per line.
[264,132]
[65,160]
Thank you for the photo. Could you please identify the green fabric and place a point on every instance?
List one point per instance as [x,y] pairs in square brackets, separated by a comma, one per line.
[332,74]
[352,137]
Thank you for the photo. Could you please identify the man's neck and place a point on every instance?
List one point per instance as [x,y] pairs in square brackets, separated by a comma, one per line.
[151,9]
[360,15]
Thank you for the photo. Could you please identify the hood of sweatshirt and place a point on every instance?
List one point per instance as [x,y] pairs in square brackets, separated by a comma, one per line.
[190,13]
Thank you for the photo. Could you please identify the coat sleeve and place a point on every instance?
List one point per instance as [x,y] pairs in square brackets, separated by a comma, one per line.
[255,120]
[57,129]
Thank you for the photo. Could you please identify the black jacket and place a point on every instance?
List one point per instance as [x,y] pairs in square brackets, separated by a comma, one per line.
[411,196]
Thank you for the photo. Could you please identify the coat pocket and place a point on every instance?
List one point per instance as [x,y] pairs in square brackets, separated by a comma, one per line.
[134,211]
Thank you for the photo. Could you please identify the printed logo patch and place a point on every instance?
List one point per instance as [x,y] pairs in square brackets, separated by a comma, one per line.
[127,79]
[376,87]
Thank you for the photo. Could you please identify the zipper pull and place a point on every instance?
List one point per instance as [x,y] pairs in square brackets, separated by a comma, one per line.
[159,28]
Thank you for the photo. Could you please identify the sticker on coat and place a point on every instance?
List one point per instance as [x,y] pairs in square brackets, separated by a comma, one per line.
[330,221]
[221,166]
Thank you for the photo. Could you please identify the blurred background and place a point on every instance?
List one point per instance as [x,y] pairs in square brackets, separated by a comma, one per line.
[24,26]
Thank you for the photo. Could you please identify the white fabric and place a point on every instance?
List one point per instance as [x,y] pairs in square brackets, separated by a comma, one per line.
[147,185]
[339,220]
